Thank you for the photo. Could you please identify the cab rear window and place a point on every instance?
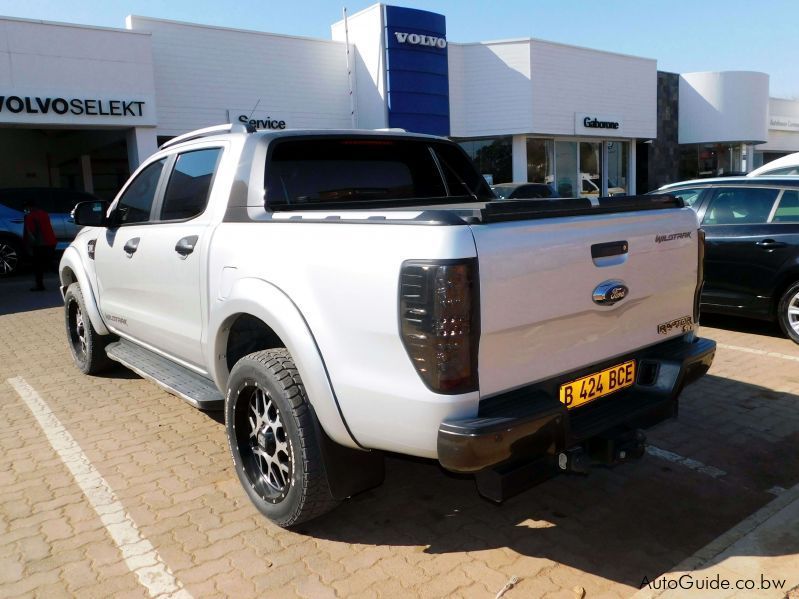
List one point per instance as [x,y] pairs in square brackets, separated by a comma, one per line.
[367,172]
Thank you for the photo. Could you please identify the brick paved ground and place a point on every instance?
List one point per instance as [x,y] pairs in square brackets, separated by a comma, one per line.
[423,533]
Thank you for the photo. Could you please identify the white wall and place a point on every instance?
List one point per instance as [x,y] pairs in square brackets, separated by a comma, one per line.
[782,138]
[56,60]
[201,71]
[532,86]
[569,80]
[489,89]
[722,106]
[367,59]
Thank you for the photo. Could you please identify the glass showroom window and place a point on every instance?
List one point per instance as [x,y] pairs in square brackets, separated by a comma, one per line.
[618,156]
[493,158]
[590,168]
[541,161]
[709,160]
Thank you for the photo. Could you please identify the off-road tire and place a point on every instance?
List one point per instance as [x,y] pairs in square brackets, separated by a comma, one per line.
[306,493]
[86,345]
[787,320]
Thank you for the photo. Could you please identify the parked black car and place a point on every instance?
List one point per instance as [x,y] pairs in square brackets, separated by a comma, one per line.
[524,191]
[752,245]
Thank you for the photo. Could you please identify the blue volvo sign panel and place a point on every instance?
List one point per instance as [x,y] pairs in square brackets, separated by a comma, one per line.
[417,73]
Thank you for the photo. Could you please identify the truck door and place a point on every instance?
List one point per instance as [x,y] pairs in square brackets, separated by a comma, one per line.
[173,252]
[118,254]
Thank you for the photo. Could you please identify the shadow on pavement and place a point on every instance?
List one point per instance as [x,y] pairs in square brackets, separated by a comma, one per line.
[742,325]
[634,521]
[15,294]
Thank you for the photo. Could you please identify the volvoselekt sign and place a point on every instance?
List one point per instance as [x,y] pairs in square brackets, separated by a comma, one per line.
[76,106]
[595,124]
[73,109]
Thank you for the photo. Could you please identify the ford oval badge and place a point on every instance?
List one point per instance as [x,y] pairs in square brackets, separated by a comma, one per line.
[610,292]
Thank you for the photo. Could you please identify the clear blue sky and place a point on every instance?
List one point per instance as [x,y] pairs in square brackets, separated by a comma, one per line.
[683,35]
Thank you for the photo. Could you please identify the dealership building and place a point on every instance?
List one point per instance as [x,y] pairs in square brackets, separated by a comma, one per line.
[81,106]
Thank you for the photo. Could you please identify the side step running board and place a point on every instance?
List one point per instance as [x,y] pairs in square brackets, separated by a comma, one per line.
[174,378]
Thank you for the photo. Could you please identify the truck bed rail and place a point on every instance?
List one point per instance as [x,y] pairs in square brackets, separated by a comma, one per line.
[508,210]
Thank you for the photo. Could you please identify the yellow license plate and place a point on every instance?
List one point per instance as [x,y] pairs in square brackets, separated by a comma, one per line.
[599,384]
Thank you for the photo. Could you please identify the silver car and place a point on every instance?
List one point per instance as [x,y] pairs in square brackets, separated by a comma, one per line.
[58,203]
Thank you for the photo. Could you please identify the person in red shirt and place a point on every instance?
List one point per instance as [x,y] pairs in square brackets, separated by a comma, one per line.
[40,240]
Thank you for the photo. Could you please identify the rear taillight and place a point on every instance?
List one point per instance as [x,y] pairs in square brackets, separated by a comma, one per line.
[700,275]
[440,322]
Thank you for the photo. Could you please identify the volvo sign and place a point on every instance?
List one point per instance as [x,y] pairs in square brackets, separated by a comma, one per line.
[416,39]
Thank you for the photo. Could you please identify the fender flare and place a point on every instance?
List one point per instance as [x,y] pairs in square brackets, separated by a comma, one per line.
[72,260]
[271,305]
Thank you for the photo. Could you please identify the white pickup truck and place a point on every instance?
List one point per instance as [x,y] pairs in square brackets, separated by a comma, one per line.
[341,294]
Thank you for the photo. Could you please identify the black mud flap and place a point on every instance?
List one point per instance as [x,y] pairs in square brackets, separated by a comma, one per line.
[350,471]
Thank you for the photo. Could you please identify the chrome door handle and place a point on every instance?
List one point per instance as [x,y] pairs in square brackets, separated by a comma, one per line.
[131,246]
[770,244]
[185,246]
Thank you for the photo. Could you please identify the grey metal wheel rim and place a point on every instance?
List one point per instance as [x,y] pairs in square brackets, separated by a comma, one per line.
[8,258]
[80,328]
[793,312]
[76,330]
[268,442]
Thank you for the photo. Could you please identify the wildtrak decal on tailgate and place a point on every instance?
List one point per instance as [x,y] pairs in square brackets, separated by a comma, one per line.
[673,236]
[686,323]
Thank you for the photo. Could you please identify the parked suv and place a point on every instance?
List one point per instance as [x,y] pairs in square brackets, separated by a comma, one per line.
[752,245]
[787,165]
[57,202]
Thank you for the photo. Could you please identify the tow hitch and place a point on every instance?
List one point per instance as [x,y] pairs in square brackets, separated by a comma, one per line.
[608,449]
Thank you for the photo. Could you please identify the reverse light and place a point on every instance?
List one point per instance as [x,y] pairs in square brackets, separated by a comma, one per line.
[440,322]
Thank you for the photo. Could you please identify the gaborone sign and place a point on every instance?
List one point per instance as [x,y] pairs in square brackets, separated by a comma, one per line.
[596,124]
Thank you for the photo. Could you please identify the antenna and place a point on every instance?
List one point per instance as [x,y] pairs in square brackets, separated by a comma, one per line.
[254,108]
[349,68]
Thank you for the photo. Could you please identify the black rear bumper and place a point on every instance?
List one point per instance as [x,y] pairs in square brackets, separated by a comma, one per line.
[531,423]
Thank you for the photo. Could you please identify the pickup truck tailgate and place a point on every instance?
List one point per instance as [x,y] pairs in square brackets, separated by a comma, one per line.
[538,277]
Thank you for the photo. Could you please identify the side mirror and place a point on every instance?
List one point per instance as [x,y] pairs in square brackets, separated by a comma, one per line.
[90,214]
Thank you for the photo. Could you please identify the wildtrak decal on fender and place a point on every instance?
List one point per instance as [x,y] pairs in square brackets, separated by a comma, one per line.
[117,319]
[673,236]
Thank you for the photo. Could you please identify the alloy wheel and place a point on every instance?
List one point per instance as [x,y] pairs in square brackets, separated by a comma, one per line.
[793,312]
[77,329]
[263,443]
[9,258]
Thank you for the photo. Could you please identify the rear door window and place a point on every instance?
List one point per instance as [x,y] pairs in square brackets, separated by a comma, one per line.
[740,206]
[190,184]
[788,210]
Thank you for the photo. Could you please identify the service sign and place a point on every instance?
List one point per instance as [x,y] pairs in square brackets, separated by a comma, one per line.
[32,107]
[260,119]
[601,125]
